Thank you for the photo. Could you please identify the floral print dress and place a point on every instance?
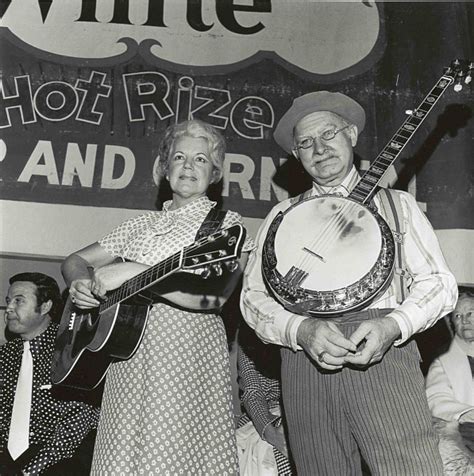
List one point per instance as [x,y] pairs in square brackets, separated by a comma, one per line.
[168,410]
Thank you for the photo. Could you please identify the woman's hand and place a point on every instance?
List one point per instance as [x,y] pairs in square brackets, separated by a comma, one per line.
[87,293]
[112,276]
[81,294]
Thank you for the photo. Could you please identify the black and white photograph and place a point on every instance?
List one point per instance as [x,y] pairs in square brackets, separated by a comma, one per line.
[236,238]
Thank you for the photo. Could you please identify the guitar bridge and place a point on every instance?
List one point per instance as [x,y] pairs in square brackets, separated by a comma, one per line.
[72,320]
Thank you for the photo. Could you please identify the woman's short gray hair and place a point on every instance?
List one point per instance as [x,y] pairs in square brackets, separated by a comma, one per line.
[197,129]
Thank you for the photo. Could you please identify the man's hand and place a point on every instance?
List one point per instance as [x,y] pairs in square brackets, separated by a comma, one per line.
[276,437]
[324,342]
[377,335]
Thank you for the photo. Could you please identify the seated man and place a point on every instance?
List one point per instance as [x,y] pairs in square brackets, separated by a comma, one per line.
[449,382]
[37,430]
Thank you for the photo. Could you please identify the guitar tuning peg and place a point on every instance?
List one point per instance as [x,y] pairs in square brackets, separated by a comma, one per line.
[205,273]
[232,265]
[217,268]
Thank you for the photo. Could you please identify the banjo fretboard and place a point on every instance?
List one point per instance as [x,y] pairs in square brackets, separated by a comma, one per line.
[364,190]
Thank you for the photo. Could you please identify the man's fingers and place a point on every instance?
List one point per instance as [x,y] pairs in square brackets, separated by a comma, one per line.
[359,334]
[365,355]
[341,342]
[360,358]
[334,328]
[336,350]
[327,361]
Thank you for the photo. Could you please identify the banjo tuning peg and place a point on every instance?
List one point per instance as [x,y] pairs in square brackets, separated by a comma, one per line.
[468,78]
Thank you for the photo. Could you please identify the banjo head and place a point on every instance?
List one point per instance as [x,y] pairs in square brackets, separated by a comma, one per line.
[327,255]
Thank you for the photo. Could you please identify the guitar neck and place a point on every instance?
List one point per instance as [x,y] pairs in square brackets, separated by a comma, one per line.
[144,280]
[367,185]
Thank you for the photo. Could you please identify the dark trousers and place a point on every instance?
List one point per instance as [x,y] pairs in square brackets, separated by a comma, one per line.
[380,412]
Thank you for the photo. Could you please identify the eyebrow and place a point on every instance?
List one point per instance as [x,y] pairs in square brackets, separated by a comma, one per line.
[325,128]
[16,295]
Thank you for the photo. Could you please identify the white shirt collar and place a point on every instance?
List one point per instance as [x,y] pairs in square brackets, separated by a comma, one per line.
[344,188]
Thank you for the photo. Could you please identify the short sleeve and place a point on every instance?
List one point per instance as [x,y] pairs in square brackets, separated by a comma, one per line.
[121,236]
[233,218]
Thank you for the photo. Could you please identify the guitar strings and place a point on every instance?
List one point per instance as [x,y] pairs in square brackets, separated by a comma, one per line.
[138,280]
[153,272]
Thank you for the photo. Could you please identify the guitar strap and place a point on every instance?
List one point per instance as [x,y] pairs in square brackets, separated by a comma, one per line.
[211,223]
[392,205]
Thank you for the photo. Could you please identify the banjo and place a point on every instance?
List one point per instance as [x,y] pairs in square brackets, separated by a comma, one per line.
[344,257]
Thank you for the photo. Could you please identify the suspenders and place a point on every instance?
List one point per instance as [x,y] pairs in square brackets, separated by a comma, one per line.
[391,206]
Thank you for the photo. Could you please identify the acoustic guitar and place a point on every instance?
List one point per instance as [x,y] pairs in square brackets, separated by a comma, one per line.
[89,341]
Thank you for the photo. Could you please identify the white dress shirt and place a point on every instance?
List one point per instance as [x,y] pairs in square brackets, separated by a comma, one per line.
[432,292]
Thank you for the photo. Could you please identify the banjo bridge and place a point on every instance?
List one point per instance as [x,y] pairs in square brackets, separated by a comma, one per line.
[314,254]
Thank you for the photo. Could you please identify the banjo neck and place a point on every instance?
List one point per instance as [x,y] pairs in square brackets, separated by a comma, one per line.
[365,188]
[343,254]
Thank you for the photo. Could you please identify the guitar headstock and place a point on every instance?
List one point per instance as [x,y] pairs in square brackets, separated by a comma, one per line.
[461,72]
[210,251]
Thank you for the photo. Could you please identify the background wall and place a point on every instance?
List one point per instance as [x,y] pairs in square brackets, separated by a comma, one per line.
[87,89]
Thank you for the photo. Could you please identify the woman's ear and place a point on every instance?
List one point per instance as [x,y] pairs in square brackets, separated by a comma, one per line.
[216,175]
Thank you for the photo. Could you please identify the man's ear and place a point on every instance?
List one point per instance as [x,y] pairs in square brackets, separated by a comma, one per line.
[46,307]
[354,134]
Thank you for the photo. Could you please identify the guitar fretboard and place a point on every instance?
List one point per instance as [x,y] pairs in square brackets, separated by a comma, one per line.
[143,280]
[364,190]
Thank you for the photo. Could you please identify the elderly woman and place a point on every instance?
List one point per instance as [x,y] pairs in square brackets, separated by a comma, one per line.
[450,379]
[168,409]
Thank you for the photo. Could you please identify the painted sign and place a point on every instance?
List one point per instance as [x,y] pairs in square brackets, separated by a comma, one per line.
[81,118]
[87,88]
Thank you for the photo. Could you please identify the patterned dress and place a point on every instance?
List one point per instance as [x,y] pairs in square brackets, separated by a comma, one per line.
[168,410]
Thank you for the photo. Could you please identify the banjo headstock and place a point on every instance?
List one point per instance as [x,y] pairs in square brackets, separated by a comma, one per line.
[461,72]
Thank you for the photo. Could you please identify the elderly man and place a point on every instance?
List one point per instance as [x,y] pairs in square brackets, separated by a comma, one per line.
[37,430]
[450,379]
[352,384]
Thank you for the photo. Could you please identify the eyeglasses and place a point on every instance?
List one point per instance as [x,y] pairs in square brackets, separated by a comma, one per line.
[326,136]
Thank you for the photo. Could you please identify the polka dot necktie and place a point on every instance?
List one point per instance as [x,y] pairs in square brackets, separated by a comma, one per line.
[20,422]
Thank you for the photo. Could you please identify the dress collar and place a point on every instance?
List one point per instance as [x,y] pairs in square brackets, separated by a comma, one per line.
[199,203]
